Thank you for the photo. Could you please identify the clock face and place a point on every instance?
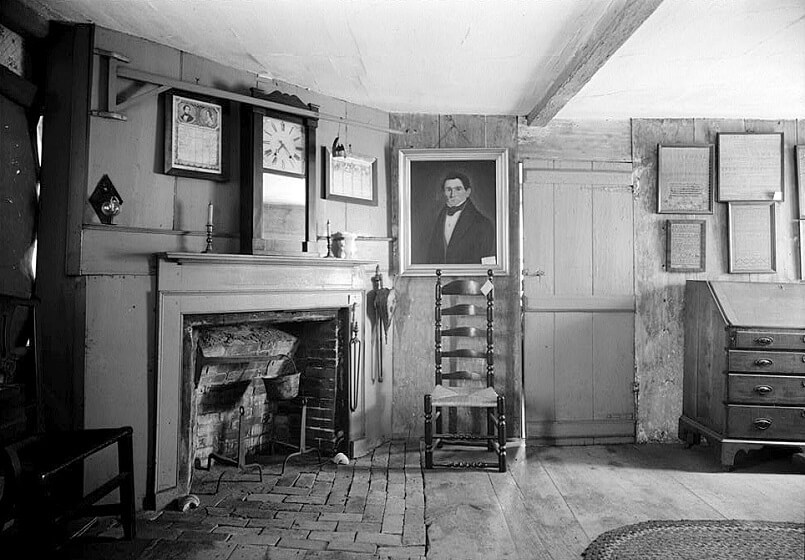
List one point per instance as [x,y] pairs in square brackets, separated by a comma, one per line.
[284,146]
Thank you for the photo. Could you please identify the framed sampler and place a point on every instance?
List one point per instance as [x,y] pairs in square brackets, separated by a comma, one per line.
[686,244]
[752,237]
[750,167]
[195,129]
[685,179]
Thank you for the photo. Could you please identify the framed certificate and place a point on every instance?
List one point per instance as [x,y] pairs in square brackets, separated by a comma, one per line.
[752,237]
[350,178]
[685,245]
[750,167]
[685,179]
[194,133]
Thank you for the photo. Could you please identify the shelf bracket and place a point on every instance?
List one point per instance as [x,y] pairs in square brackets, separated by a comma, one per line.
[110,109]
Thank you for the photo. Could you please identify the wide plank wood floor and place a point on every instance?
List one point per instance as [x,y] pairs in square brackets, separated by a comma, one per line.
[555,500]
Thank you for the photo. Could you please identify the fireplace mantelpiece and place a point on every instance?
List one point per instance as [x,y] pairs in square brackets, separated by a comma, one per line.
[202,283]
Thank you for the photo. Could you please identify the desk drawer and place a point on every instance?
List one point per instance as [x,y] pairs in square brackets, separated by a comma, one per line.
[769,339]
[766,389]
[766,422]
[752,361]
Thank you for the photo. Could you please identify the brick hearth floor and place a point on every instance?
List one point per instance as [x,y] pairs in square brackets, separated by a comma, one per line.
[372,508]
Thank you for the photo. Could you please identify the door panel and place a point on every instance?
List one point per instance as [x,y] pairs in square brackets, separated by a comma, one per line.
[578,253]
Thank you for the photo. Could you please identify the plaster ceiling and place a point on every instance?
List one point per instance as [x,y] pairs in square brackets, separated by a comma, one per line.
[718,58]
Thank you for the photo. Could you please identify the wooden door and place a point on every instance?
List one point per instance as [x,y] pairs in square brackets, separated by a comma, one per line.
[578,260]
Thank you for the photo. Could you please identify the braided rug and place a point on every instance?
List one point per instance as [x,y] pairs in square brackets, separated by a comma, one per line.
[700,540]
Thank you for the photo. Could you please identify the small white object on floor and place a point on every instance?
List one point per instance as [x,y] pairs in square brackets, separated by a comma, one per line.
[341,459]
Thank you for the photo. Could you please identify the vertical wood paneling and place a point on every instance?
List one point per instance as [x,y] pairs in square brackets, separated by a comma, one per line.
[539,255]
[573,234]
[573,351]
[613,243]
[538,347]
[613,362]
[130,151]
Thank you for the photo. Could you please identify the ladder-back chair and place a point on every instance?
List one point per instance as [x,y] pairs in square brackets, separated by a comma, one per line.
[462,388]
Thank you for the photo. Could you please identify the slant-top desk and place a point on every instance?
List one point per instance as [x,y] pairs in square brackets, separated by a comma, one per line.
[744,377]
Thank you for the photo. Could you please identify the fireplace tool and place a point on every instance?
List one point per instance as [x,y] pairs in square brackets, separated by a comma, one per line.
[354,362]
[380,304]
[240,462]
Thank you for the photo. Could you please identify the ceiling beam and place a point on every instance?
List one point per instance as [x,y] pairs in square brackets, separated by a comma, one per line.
[23,20]
[621,19]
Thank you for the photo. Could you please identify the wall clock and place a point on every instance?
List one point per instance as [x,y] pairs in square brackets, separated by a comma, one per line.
[284,145]
[278,175]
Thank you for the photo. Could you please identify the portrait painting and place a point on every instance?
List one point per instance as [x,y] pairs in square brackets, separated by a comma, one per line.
[454,211]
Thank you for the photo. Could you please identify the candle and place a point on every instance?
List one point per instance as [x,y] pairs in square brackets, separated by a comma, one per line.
[209,214]
[328,228]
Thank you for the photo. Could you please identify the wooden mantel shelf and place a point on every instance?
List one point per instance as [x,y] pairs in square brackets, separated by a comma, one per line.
[261,260]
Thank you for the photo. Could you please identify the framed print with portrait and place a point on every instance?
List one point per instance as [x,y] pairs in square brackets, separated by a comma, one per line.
[194,136]
[454,211]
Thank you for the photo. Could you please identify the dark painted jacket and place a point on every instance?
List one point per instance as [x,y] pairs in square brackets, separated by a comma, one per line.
[472,239]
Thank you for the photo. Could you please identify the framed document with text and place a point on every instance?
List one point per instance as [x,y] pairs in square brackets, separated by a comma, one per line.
[685,245]
[750,167]
[752,237]
[194,133]
[685,179]
[350,178]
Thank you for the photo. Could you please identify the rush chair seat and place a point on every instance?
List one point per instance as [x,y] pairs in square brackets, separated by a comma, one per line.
[42,471]
[461,388]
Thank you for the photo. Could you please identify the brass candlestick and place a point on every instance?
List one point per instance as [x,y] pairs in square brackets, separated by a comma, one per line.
[208,248]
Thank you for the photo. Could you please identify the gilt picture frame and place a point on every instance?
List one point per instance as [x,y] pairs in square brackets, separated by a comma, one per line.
[468,242]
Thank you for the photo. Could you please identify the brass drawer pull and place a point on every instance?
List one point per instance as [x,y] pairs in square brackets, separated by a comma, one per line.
[763,362]
[762,423]
[764,340]
[763,389]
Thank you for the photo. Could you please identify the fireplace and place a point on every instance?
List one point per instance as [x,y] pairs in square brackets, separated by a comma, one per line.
[234,358]
[301,307]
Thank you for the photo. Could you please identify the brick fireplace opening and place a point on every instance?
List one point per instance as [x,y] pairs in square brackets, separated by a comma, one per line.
[228,356]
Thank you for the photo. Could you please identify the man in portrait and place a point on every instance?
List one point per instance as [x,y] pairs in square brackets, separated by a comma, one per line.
[461,233]
[187,114]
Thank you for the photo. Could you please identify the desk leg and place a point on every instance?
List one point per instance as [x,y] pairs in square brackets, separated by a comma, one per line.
[125,458]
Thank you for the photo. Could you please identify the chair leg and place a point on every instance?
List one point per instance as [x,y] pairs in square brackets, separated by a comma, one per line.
[490,429]
[428,433]
[501,434]
[125,461]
